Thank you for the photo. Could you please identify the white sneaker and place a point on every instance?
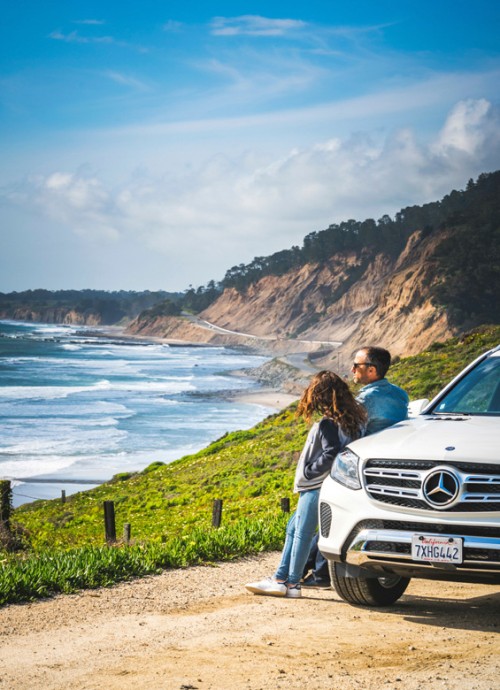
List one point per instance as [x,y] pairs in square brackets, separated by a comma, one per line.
[268,586]
[293,591]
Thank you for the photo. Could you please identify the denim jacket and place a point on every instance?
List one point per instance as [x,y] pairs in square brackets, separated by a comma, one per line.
[385,404]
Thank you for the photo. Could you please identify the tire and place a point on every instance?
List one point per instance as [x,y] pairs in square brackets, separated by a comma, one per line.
[377,591]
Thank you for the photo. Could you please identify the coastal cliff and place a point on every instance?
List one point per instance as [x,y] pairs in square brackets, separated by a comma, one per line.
[430,273]
[51,315]
[389,302]
[318,308]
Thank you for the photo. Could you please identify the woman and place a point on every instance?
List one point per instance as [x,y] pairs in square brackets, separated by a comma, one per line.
[343,420]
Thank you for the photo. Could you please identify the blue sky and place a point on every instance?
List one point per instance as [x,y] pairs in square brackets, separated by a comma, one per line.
[153,145]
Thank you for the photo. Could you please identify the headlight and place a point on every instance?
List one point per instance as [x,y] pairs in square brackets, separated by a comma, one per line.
[345,469]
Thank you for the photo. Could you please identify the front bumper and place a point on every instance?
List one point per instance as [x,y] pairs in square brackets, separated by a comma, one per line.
[375,540]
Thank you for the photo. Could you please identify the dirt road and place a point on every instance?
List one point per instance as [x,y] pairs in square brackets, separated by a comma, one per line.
[199,628]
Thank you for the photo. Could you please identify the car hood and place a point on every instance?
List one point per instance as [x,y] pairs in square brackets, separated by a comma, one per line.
[435,437]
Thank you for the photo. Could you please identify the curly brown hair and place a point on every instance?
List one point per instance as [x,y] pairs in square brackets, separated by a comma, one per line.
[329,395]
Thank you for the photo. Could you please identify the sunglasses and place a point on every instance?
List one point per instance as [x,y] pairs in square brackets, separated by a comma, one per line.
[356,365]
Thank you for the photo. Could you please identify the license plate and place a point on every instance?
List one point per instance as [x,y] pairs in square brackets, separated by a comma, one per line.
[432,549]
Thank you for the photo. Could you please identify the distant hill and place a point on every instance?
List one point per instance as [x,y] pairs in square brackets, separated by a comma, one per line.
[430,273]
[84,307]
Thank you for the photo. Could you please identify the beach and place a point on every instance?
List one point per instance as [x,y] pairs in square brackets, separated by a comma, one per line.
[288,373]
[269,397]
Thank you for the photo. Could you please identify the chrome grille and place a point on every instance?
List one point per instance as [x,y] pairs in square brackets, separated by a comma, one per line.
[401,483]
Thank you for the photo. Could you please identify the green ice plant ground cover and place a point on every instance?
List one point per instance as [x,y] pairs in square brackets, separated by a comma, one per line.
[169,507]
[47,572]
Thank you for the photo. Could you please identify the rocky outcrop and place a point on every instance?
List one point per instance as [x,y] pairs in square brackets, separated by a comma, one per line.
[328,308]
[391,305]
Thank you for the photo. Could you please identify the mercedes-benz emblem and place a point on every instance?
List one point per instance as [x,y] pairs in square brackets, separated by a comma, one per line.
[441,487]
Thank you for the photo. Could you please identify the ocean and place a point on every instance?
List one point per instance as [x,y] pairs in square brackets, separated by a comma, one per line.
[77,406]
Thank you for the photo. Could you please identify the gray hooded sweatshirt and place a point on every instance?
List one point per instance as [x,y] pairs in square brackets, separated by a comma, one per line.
[324,441]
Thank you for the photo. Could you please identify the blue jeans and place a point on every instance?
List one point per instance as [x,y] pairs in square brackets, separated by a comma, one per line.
[299,533]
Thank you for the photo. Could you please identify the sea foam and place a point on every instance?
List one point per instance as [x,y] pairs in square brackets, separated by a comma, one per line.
[77,407]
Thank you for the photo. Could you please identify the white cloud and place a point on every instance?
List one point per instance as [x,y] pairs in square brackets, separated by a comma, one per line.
[229,210]
[78,201]
[75,37]
[254,25]
[90,22]
[468,128]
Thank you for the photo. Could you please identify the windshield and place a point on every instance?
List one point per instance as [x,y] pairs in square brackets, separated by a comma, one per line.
[478,392]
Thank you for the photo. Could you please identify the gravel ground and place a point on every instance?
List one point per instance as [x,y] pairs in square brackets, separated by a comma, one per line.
[199,628]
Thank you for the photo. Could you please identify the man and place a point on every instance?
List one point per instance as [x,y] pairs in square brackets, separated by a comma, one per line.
[385,404]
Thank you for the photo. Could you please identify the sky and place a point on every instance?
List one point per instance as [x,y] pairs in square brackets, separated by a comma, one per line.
[153,145]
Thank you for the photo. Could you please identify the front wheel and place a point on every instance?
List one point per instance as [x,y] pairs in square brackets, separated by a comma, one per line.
[376,591]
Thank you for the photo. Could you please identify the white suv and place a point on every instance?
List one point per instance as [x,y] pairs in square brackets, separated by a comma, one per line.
[421,498]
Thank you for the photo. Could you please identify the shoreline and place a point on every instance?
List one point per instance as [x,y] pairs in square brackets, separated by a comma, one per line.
[267,397]
[119,332]
[282,391]
[271,394]
[282,377]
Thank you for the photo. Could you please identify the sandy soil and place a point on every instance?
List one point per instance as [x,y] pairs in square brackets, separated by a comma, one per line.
[199,628]
[268,397]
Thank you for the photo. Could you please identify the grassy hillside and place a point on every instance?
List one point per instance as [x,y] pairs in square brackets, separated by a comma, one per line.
[169,507]
[249,470]
[425,374]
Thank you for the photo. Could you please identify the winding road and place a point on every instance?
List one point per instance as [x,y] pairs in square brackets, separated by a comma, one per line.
[202,323]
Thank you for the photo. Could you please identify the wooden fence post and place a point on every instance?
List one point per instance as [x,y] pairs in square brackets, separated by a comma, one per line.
[109,521]
[217,512]
[285,505]
[126,532]
[63,496]
[5,502]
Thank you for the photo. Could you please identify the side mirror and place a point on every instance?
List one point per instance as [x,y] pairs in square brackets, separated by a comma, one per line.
[415,407]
